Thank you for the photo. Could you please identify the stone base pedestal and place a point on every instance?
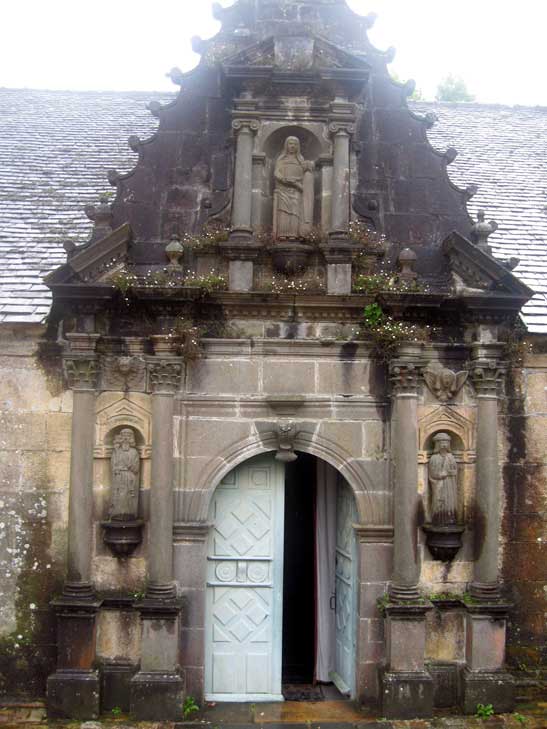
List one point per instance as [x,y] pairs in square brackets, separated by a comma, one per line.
[339,278]
[482,687]
[241,276]
[406,695]
[406,686]
[73,691]
[157,691]
[116,685]
[157,696]
[73,694]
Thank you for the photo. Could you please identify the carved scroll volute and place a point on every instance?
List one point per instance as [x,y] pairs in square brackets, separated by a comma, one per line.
[443,382]
[81,372]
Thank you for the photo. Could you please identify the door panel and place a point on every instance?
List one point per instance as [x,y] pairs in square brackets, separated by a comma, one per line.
[244,584]
[346,604]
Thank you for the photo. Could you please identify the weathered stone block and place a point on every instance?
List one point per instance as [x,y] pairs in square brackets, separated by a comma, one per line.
[405,644]
[116,685]
[483,687]
[23,431]
[208,438]
[223,376]
[281,377]
[349,435]
[118,637]
[160,645]
[346,377]
[59,427]
[445,684]
[157,696]
[376,562]
[73,695]
[485,647]
[406,695]
[445,631]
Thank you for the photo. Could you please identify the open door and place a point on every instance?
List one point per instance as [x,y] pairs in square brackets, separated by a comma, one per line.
[245,584]
[343,675]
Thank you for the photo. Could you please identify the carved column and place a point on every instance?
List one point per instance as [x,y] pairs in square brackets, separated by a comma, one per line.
[157,690]
[340,184]
[406,686]
[404,376]
[243,181]
[484,677]
[486,374]
[73,690]
[165,380]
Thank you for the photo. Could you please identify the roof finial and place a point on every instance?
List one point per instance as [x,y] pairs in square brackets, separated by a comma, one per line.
[482,230]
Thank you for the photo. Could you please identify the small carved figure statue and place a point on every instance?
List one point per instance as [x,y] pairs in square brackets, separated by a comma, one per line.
[293,196]
[443,478]
[125,468]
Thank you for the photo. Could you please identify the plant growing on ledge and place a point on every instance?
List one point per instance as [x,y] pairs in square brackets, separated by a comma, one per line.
[376,283]
[294,285]
[190,338]
[211,235]
[484,711]
[388,333]
[207,284]
[189,707]
[359,232]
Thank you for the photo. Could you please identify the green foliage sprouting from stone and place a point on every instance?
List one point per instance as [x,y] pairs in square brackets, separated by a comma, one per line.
[116,711]
[376,283]
[127,281]
[208,238]
[484,711]
[387,333]
[189,707]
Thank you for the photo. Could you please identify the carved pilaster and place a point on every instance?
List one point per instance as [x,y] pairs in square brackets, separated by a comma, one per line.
[341,132]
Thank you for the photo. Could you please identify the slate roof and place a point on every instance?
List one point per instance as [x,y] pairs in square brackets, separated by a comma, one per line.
[56,146]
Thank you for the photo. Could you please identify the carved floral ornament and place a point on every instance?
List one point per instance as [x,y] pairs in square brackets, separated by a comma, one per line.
[486,375]
[81,372]
[165,376]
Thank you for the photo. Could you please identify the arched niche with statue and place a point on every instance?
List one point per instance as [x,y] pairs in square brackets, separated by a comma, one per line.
[446,477]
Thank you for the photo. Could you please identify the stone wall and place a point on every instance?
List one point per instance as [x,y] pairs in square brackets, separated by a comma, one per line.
[524,529]
[34,476]
[223,417]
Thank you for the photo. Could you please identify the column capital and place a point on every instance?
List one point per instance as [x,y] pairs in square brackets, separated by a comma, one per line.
[486,375]
[251,125]
[81,372]
[165,375]
[405,376]
[341,128]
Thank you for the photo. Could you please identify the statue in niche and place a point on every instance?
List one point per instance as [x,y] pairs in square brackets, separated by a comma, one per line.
[125,469]
[443,479]
[293,195]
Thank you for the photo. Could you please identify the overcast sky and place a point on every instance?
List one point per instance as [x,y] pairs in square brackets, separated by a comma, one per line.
[497,47]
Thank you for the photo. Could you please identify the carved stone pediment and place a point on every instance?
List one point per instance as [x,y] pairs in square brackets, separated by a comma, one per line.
[449,420]
[93,261]
[474,272]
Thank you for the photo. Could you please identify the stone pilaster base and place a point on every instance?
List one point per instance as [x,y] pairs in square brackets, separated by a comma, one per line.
[73,694]
[482,687]
[406,695]
[157,696]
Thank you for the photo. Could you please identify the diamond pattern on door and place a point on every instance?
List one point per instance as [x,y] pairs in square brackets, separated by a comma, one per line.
[245,572]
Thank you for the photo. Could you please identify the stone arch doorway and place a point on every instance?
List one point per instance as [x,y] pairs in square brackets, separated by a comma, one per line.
[282,586]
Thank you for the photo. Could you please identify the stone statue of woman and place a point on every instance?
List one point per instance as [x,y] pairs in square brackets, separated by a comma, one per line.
[443,478]
[293,195]
[125,468]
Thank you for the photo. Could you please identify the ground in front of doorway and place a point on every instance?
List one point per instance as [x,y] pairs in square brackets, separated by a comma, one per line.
[285,715]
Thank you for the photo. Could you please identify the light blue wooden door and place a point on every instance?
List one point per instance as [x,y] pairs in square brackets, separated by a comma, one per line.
[346,594]
[245,584]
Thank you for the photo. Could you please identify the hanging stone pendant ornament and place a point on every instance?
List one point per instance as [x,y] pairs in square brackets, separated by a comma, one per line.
[444,534]
[123,532]
[444,383]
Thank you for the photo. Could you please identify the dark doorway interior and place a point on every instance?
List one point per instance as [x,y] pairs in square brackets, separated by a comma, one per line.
[299,571]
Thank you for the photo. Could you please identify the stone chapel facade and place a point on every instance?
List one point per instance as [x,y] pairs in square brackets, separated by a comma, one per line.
[285,296]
